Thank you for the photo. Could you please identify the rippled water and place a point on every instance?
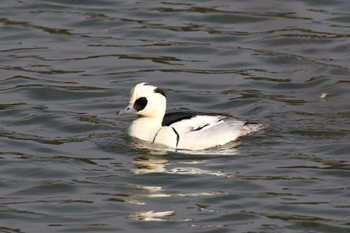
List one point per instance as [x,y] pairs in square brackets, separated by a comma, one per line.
[67,67]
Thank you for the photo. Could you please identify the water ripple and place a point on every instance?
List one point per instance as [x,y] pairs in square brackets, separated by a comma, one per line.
[68,165]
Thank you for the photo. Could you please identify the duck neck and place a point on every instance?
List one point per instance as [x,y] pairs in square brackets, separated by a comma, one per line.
[145,128]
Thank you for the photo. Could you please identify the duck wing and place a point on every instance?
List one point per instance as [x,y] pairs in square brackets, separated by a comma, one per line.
[174,117]
[186,122]
[196,130]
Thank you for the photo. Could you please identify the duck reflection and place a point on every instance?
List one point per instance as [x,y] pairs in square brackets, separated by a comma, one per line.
[154,159]
[151,215]
[149,164]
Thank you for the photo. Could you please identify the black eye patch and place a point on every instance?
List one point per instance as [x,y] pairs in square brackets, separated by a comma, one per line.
[140,103]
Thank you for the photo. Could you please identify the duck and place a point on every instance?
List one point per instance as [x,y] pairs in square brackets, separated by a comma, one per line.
[180,130]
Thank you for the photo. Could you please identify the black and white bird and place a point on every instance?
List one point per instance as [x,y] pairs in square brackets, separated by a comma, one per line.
[180,130]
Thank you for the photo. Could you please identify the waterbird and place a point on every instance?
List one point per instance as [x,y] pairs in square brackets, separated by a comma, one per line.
[185,130]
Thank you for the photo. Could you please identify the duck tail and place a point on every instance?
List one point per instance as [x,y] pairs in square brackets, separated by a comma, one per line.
[251,127]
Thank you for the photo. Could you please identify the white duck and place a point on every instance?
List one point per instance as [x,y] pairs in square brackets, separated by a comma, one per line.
[180,130]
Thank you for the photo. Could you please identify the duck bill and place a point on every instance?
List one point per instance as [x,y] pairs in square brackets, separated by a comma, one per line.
[128,110]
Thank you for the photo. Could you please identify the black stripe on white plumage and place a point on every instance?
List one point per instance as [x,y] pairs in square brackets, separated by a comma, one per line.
[180,130]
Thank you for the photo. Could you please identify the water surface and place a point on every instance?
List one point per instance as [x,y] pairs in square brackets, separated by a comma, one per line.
[67,67]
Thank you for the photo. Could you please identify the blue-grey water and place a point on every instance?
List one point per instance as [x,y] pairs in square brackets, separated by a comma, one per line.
[66,68]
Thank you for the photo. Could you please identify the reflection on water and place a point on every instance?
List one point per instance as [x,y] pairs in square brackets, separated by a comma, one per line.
[158,164]
[196,171]
[149,164]
[151,191]
[151,215]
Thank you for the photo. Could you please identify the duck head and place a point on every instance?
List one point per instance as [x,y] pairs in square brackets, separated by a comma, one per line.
[146,101]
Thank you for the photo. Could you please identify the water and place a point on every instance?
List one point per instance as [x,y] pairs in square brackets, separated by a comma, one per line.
[68,66]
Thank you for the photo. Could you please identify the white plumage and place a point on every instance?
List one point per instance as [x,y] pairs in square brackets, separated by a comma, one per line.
[180,130]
